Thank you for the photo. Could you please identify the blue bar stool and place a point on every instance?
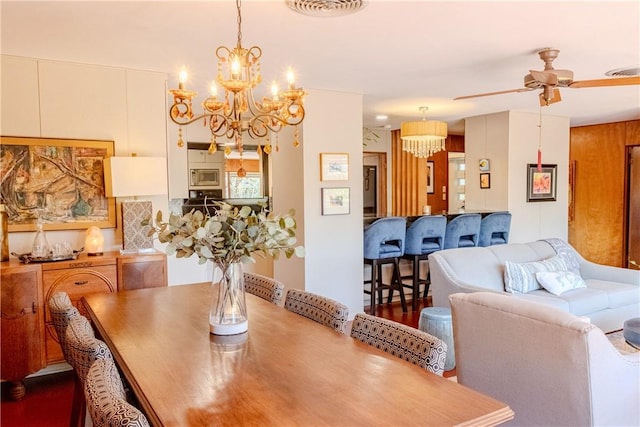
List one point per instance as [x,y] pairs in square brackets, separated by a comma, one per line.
[425,236]
[494,229]
[462,231]
[384,244]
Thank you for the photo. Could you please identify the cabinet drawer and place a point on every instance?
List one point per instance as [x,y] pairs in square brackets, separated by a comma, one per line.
[79,282]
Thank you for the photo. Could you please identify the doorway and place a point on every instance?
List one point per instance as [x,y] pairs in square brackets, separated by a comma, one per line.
[633,208]
[369,184]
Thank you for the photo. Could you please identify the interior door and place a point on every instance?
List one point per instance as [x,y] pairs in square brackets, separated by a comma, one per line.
[370,192]
[633,195]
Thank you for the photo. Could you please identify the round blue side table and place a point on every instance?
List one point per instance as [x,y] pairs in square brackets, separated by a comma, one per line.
[436,321]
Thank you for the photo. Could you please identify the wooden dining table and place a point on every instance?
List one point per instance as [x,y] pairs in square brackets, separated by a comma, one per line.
[286,370]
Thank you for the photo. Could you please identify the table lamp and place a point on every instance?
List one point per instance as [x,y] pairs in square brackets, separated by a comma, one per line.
[132,177]
[94,241]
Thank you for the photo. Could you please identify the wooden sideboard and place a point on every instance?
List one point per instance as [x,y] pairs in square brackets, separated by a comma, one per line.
[29,340]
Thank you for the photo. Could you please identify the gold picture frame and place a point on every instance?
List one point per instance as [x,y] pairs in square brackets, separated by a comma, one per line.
[334,166]
[60,180]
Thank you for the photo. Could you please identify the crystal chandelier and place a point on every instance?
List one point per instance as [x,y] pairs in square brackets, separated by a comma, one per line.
[424,137]
[237,111]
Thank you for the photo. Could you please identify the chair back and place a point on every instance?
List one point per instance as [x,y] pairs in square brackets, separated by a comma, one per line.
[385,238]
[410,344]
[264,287]
[62,311]
[549,366]
[494,229]
[84,347]
[462,231]
[425,235]
[320,309]
[106,398]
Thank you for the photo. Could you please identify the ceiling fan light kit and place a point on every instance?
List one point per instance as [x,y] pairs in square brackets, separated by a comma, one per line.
[424,137]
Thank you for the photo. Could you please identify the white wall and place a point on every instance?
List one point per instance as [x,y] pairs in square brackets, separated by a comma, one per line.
[510,141]
[333,263]
[43,98]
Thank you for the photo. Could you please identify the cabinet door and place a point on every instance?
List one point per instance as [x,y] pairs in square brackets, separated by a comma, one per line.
[22,323]
[142,271]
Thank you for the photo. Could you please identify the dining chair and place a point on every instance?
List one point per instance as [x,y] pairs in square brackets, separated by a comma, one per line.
[320,309]
[84,349]
[405,342]
[106,398]
[62,311]
[494,229]
[424,236]
[384,241]
[264,287]
[462,231]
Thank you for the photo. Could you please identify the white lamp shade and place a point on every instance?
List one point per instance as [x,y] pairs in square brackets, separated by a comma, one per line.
[135,176]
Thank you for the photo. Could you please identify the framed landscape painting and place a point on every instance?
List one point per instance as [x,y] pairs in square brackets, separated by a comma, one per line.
[541,184]
[334,166]
[58,180]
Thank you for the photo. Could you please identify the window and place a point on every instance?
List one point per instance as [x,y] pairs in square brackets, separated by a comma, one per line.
[247,187]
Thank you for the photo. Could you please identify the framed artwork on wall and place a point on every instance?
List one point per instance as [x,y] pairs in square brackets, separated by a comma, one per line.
[541,184]
[484,165]
[485,180]
[334,166]
[430,177]
[61,181]
[335,201]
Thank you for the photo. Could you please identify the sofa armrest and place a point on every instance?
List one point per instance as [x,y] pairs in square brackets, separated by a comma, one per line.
[591,270]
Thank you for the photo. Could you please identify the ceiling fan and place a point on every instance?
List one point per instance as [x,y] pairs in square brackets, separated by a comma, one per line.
[550,80]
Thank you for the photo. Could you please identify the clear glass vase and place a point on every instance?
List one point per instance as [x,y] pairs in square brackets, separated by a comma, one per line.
[228,313]
[40,248]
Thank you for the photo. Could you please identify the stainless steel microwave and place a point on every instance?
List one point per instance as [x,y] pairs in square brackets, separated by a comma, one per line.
[204,178]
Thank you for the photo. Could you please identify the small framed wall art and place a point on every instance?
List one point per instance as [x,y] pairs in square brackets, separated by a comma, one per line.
[485,180]
[335,201]
[484,165]
[430,177]
[541,184]
[334,166]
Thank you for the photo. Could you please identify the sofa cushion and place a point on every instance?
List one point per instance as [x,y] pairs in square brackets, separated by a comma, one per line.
[580,302]
[559,282]
[521,276]
[618,294]
[543,297]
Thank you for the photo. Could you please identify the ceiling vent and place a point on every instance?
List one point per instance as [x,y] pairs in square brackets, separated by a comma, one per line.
[326,7]
[624,72]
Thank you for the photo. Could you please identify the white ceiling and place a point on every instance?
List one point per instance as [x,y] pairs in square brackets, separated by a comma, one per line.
[399,54]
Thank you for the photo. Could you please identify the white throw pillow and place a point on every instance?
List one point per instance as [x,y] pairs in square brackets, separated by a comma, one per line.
[521,276]
[559,282]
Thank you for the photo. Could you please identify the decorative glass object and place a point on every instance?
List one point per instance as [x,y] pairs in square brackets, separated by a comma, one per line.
[228,312]
[40,248]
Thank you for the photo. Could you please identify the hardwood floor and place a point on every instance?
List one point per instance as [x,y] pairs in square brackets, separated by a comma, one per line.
[47,402]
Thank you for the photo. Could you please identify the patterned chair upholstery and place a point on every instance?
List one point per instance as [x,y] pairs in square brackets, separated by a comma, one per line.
[402,341]
[494,229]
[317,308]
[62,311]
[265,287]
[106,398]
[84,347]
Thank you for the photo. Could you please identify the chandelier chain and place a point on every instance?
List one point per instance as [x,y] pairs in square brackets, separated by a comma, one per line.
[239,23]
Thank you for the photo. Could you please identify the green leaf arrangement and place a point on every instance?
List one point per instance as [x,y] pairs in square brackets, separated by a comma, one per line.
[231,235]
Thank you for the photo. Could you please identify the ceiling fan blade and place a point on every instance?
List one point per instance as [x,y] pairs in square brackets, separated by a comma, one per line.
[615,81]
[544,77]
[554,98]
[525,89]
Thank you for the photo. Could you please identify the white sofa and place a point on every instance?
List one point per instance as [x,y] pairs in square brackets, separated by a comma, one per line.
[611,295]
[552,368]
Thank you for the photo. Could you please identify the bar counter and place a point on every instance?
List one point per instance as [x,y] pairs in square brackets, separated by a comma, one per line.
[450,215]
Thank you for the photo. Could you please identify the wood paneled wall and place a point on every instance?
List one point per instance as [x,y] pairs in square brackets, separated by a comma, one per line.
[598,155]
[409,177]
